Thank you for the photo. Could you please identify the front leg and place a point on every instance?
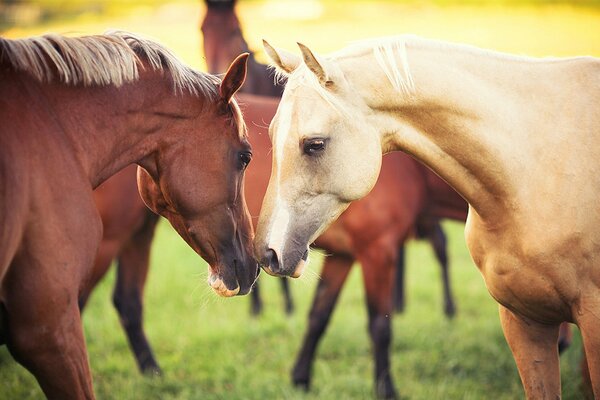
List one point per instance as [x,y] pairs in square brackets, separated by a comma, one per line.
[334,274]
[534,347]
[45,336]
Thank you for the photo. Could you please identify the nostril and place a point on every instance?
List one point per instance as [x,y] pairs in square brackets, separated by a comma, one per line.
[271,260]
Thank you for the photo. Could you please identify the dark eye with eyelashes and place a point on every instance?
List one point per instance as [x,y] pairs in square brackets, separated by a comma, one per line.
[245,157]
[314,146]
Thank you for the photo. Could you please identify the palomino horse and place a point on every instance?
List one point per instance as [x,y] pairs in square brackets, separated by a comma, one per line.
[517,137]
[223,41]
[80,110]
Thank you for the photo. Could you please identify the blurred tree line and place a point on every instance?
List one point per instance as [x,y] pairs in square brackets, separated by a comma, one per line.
[31,12]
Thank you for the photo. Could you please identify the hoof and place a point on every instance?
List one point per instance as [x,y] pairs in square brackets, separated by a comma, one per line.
[152,370]
[302,385]
[301,381]
[386,390]
[450,311]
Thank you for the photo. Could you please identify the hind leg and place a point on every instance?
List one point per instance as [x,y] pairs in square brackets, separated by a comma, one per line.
[334,274]
[256,305]
[536,354]
[132,270]
[438,241]
[398,292]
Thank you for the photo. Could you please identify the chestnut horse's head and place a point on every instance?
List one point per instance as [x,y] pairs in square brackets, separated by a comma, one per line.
[195,180]
[223,39]
[324,157]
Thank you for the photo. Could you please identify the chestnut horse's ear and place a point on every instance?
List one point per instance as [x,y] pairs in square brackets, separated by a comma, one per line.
[150,192]
[313,64]
[283,60]
[234,78]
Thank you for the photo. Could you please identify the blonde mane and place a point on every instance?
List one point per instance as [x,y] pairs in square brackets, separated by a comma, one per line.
[110,59]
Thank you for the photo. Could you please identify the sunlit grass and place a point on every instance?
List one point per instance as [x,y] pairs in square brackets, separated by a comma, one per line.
[211,348]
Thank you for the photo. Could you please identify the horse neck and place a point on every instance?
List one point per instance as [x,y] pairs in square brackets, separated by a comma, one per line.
[465,119]
[114,126]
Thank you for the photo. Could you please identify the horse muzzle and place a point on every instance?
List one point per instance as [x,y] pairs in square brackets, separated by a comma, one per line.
[271,264]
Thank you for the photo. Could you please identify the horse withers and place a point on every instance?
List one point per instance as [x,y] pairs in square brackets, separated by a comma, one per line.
[74,112]
[515,136]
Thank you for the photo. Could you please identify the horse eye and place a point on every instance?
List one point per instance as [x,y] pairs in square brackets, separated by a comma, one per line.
[314,146]
[245,158]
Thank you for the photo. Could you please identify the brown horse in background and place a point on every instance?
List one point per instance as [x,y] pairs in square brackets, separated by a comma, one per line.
[74,112]
[127,238]
[223,41]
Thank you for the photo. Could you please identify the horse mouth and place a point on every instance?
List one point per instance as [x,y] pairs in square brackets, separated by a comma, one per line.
[301,265]
[216,282]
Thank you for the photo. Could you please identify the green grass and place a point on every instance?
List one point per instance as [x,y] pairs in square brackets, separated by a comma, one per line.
[210,348]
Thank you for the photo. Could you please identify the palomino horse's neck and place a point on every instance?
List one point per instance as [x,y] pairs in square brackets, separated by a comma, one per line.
[110,127]
[470,114]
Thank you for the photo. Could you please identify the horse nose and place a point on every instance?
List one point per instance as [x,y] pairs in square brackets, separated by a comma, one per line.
[270,262]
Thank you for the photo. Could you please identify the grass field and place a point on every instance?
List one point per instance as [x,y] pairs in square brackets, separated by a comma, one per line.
[210,348]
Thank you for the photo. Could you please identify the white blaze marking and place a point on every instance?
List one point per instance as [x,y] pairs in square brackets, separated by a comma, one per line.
[280,220]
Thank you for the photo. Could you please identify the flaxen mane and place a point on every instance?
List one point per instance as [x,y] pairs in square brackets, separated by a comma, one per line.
[110,59]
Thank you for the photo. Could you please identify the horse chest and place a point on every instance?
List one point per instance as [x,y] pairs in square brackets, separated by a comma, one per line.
[537,285]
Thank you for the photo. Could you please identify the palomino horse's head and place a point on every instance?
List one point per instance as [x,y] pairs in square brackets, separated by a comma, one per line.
[223,39]
[195,180]
[324,157]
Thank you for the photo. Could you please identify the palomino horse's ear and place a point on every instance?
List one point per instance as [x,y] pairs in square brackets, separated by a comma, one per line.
[234,78]
[314,65]
[150,192]
[283,60]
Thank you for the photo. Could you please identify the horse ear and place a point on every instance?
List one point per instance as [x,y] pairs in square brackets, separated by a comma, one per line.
[283,60]
[234,78]
[314,65]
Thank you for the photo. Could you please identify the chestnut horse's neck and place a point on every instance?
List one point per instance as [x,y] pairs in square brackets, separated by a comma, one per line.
[109,127]
[476,117]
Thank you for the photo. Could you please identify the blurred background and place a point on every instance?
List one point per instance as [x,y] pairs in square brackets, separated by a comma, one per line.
[212,348]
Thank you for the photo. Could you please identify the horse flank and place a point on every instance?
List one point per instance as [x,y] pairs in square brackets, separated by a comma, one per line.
[109,59]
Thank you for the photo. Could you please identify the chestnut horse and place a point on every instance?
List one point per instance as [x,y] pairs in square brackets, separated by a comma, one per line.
[74,112]
[517,137]
[223,41]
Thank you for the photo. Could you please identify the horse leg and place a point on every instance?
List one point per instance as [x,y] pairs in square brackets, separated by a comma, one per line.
[438,241]
[106,253]
[398,292]
[565,336]
[378,275]
[256,305]
[536,354]
[589,325]
[45,333]
[334,274]
[289,303]
[132,270]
